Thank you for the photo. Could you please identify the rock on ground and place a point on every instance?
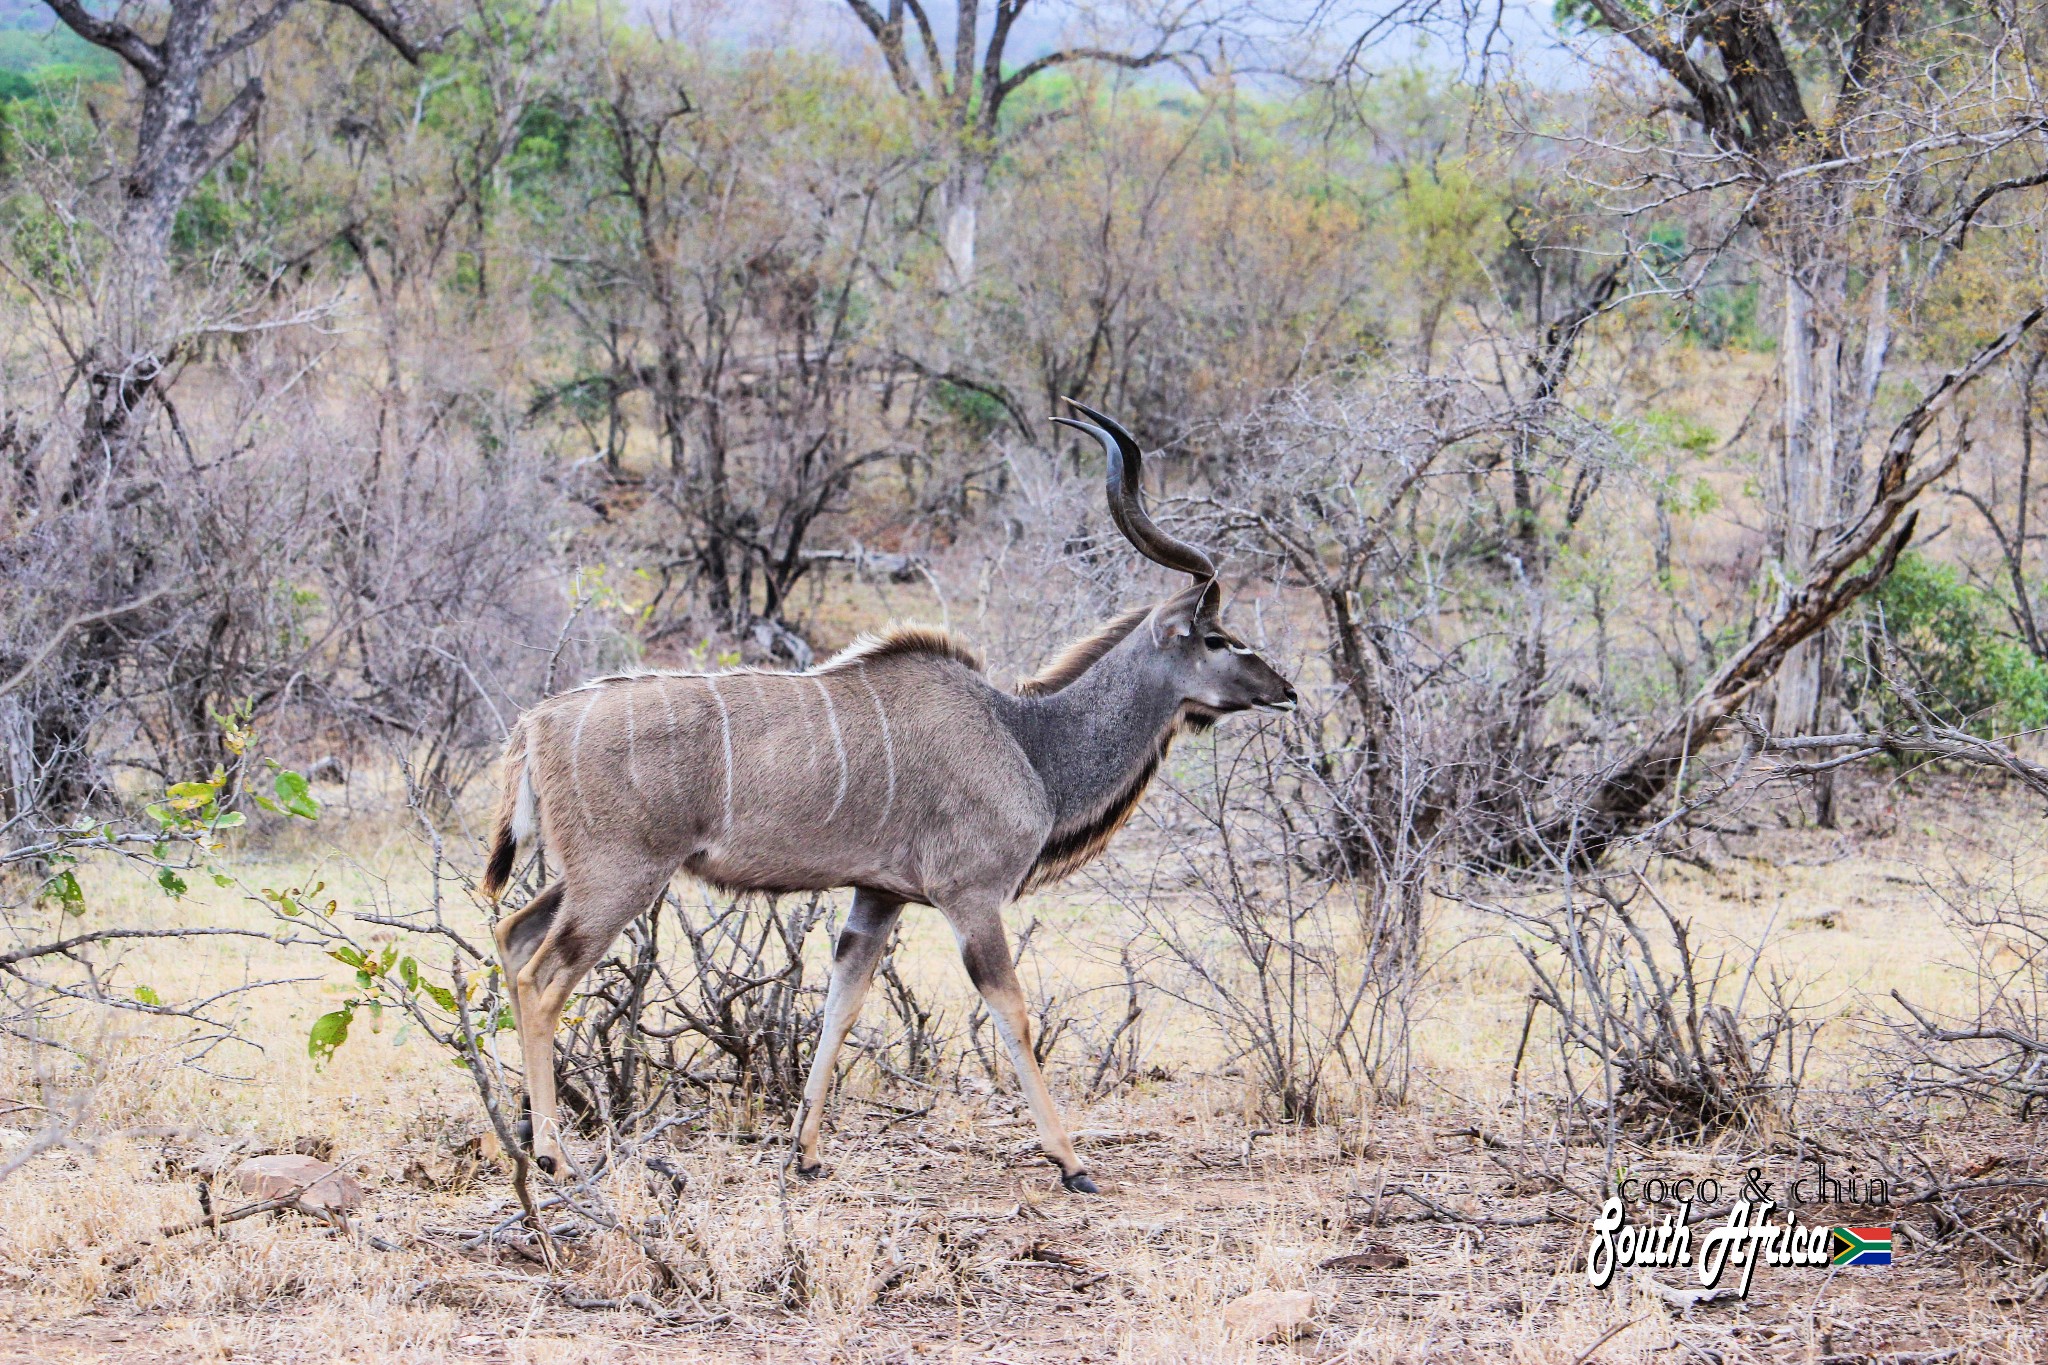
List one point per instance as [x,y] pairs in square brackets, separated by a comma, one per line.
[1271,1314]
[325,1187]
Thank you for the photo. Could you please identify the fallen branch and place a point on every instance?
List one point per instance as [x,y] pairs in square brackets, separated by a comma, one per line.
[669,1317]
[1622,798]
[1436,1212]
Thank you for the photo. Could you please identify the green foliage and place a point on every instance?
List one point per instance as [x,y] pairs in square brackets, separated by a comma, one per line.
[386,978]
[294,796]
[1968,669]
[329,1032]
[979,412]
[1453,224]
[1673,431]
[1724,317]
[1664,248]
[63,891]
[292,902]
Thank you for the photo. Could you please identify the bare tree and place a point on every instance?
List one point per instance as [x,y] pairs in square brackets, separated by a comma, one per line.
[179,141]
[722,280]
[961,98]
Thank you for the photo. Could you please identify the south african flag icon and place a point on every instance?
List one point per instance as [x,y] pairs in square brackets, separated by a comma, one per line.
[1862,1246]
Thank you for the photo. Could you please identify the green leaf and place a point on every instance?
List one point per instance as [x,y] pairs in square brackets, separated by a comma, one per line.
[173,885]
[65,890]
[409,973]
[347,956]
[220,879]
[295,795]
[233,819]
[329,1032]
[148,996]
[442,996]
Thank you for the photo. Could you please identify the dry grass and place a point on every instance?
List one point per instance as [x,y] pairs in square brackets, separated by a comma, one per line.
[944,1236]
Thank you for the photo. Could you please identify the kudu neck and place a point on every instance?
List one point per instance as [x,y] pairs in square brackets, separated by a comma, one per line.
[1091,739]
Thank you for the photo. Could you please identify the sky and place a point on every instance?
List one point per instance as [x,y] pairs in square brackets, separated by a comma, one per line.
[1260,29]
[1523,35]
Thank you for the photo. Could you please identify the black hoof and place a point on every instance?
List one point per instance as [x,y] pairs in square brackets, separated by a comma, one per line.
[1079,1183]
[522,1133]
[546,1164]
[815,1171]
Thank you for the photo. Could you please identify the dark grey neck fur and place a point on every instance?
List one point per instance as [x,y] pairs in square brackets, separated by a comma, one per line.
[1092,739]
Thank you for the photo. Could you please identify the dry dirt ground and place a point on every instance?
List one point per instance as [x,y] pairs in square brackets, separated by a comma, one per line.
[941,1236]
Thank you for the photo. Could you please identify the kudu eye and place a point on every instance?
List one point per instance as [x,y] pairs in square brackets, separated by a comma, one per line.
[1215,642]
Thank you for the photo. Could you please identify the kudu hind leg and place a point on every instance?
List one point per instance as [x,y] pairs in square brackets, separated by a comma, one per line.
[854,958]
[519,935]
[985,949]
[578,929]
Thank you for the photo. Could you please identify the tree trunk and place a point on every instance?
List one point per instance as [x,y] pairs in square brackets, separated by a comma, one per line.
[960,209]
[1805,488]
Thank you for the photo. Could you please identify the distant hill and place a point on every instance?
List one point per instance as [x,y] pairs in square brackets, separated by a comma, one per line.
[31,40]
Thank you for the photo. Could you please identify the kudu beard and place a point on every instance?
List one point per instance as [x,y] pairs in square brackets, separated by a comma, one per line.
[1750,1237]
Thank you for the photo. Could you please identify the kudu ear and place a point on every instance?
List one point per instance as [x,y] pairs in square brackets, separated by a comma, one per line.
[1183,613]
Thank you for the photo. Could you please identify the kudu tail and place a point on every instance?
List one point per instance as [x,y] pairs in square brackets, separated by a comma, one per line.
[516,813]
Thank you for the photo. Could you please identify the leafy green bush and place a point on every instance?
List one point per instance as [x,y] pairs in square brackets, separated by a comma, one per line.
[1968,667]
[981,413]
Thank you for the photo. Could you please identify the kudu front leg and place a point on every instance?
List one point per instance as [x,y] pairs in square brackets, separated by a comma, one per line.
[985,949]
[854,958]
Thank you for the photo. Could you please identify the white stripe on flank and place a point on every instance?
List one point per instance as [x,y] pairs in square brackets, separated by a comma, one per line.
[575,760]
[838,747]
[810,727]
[725,728]
[674,727]
[888,746]
[631,785]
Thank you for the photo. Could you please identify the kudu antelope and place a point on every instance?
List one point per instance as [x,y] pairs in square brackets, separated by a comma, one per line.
[896,769]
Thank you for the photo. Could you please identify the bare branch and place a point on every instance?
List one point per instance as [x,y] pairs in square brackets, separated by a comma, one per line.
[145,57]
[63,632]
[389,27]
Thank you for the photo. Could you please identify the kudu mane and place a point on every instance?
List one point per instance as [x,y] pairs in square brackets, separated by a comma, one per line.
[1068,665]
[895,640]
[1078,657]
